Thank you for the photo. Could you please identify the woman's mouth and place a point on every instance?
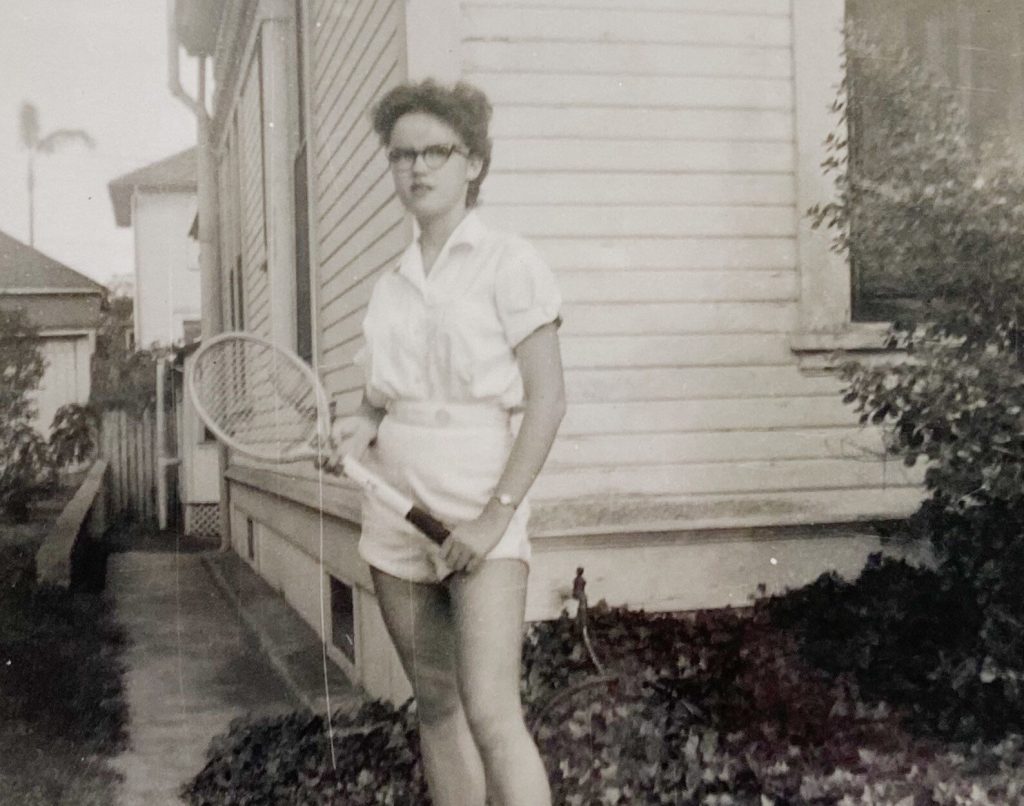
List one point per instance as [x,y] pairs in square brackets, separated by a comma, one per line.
[419,189]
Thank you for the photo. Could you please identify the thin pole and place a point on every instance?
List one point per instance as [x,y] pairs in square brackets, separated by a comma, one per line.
[31,200]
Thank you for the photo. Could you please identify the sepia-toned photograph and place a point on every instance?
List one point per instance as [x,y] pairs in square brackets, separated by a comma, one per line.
[512,403]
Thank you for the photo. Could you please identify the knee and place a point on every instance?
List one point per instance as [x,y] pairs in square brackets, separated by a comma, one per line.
[496,724]
[437,698]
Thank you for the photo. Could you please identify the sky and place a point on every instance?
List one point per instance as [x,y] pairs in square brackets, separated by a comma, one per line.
[98,65]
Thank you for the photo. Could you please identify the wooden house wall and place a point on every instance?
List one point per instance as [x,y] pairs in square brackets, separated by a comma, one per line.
[357,51]
[252,201]
[647,148]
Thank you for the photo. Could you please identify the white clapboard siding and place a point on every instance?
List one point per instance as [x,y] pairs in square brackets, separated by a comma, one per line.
[638,91]
[624,24]
[664,416]
[343,375]
[630,123]
[661,158]
[356,223]
[621,156]
[686,350]
[632,450]
[339,356]
[639,286]
[730,477]
[344,331]
[601,384]
[351,61]
[680,254]
[252,201]
[764,7]
[349,293]
[749,223]
[357,55]
[617,59]
[662,318]
[625,189]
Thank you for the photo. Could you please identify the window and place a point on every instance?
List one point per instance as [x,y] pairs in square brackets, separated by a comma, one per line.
[192,330]
[343,619]
[250,539]
[976,48]
[303,298]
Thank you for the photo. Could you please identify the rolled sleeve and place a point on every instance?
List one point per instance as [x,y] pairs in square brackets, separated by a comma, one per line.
[526,295]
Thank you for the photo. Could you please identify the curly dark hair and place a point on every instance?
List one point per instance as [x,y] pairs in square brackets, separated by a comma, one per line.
[463,107]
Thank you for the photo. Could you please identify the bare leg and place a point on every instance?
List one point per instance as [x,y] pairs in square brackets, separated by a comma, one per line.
[489,607]
[418,618]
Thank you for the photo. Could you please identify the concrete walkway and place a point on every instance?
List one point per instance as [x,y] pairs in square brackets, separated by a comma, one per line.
[196,660]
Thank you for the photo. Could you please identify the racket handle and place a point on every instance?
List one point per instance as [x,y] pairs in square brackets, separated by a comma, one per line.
[428,524]
[394,500]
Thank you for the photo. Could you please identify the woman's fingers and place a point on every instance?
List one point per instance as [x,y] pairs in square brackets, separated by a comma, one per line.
[457,555]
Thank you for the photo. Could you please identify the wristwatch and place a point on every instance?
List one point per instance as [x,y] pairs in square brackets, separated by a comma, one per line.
[505,500]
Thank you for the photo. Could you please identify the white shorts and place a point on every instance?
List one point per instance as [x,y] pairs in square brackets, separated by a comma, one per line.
[448,458]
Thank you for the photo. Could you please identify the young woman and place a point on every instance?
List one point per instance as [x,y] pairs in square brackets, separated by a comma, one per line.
[459,335]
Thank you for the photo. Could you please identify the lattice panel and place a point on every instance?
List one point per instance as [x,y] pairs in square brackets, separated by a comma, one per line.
[202,520]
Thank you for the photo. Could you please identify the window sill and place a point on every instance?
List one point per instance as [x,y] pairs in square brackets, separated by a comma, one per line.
[819,351]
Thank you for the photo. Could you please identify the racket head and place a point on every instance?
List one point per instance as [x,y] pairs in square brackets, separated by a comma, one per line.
[259,399]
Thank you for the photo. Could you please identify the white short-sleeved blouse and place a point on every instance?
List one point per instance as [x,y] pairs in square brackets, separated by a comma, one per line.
[449,335]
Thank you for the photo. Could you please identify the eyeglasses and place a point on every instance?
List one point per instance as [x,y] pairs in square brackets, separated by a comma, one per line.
[434,156]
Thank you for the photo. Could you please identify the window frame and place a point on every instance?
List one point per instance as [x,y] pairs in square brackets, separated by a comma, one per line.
[825,306]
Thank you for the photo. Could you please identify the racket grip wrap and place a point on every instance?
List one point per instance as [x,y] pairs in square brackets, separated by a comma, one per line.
[428,524]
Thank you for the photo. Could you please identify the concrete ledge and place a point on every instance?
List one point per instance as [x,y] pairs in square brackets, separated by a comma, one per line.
[85,516]
[292,646]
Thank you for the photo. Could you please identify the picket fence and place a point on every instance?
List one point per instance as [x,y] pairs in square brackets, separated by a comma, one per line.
[128,443]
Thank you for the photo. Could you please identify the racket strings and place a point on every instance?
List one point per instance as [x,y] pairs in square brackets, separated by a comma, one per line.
[258,398]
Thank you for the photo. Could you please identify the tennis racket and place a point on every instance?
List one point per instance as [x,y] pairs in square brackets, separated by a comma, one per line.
[266,403]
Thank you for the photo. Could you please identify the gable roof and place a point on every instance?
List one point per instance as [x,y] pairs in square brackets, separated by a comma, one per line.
[175,173]
[27,270]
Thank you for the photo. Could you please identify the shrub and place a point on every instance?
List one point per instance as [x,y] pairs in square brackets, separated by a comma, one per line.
[25,469]
[122,377]
[917,203]
[73,434]
[24,464]
[21,366]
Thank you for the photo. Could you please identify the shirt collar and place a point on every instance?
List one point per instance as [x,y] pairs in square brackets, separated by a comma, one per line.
[468,234]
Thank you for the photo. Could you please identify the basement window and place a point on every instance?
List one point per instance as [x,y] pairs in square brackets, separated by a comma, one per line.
[250,540]
[343,618]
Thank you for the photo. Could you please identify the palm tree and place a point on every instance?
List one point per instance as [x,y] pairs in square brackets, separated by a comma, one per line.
[43,144]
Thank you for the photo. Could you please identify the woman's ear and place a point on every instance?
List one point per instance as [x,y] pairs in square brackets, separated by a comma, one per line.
[474,165]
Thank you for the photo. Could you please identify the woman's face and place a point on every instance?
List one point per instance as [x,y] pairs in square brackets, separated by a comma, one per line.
[430,193]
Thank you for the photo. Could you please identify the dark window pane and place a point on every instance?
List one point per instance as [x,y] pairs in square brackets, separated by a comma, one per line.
[303,314]
[975,48]
[343,618]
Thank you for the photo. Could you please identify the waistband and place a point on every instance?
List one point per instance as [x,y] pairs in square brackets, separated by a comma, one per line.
[439,414]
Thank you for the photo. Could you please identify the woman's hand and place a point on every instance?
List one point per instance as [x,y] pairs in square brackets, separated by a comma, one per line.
[470,542]
[350,436]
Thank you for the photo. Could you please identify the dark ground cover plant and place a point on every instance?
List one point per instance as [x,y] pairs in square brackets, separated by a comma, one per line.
[62,714]
[787,702]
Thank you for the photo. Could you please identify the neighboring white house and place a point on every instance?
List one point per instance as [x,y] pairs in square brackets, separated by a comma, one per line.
[661,155]
[159,202]
[65,305]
